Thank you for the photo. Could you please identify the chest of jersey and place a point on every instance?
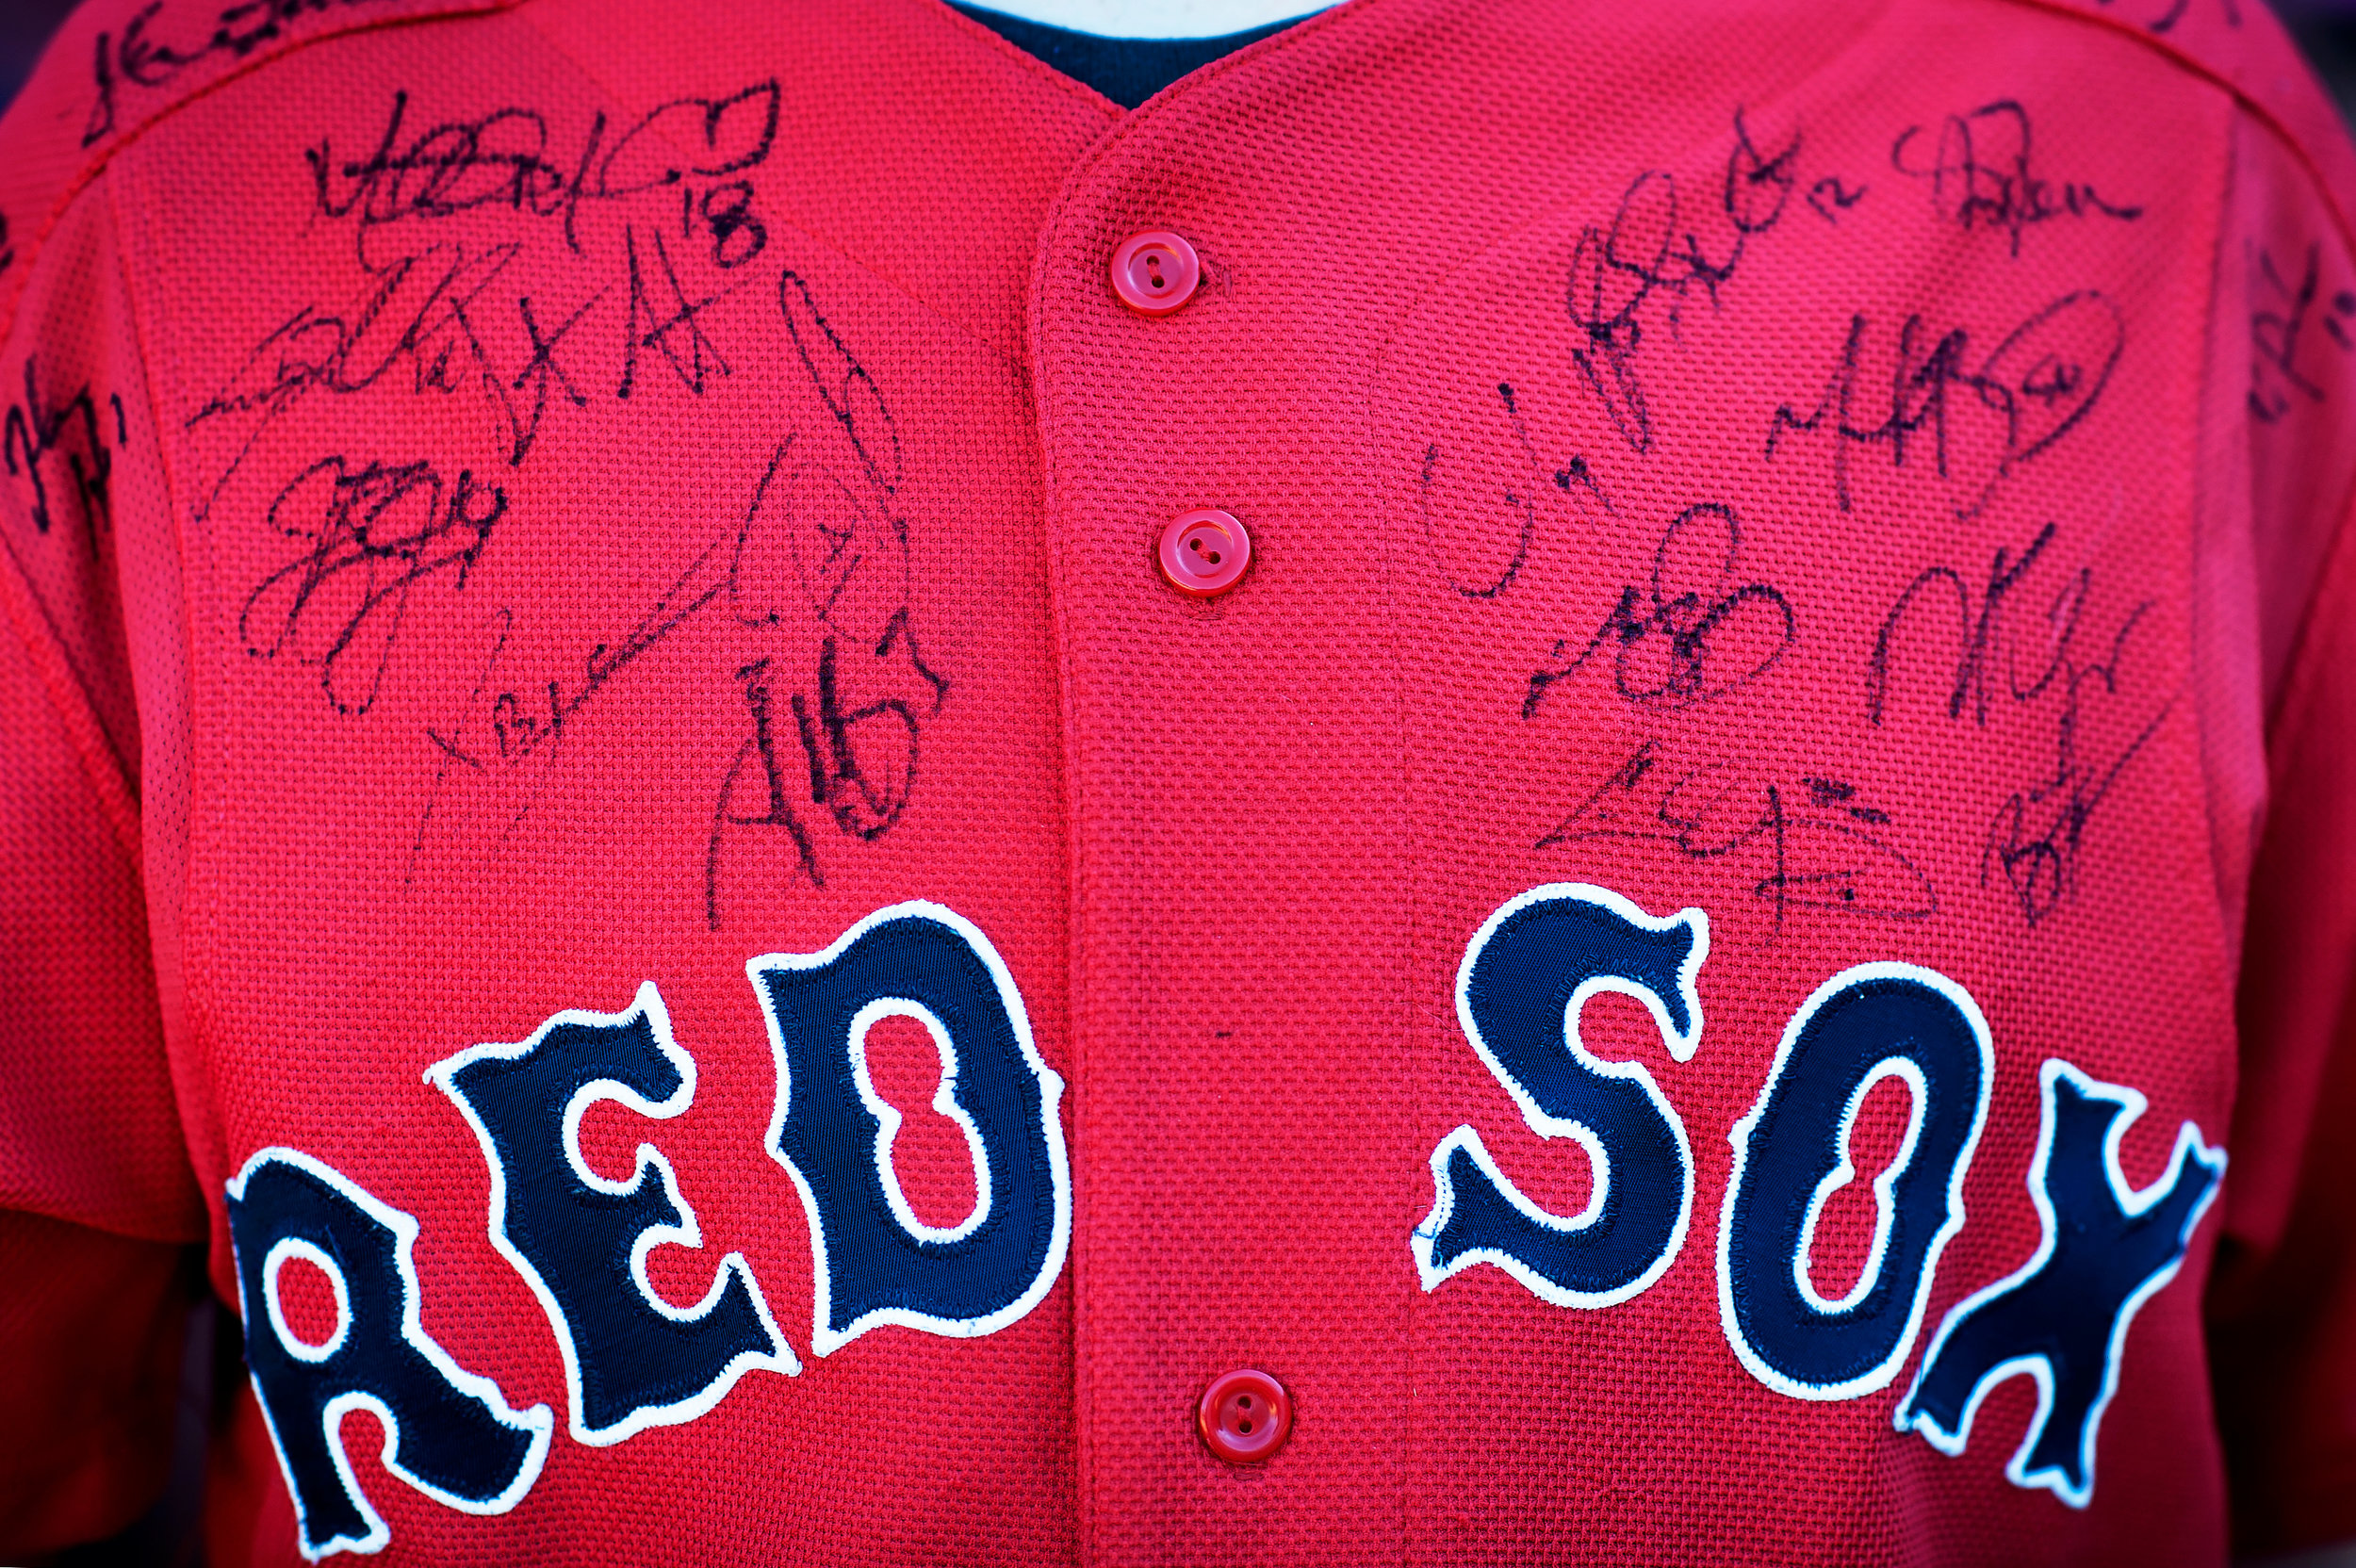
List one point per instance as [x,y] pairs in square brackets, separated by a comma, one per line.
[1663,930]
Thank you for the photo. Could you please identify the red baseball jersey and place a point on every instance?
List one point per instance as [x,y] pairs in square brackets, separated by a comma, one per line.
[1535,781]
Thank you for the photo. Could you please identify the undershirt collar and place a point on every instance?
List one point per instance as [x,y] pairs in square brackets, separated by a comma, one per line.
[1128,71]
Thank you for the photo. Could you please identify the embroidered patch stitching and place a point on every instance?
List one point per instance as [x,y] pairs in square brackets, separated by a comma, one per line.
[1681,1044]
[538,1420]
[1896,1064]
[687,1233]
[945,1103]
[825,1338]
[2133,1203]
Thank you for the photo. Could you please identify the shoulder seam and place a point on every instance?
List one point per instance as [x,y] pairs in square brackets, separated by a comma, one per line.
[30,247]
[2336,579]
[2250,103]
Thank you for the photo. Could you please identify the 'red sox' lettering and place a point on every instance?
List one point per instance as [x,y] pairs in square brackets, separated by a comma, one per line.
[633,1361]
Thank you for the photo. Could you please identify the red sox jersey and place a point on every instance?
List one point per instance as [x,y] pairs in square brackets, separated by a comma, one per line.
[1532,782]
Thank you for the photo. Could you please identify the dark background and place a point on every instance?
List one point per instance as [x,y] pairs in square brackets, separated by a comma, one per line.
[2327,31]
[2326,28]
[24,26]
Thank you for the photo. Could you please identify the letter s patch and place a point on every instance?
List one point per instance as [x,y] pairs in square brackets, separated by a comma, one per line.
[1526,974]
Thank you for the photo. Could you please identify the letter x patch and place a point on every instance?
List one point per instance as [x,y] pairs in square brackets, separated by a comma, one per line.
[2062,1318]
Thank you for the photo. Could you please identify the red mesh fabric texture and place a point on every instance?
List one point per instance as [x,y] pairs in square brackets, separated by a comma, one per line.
[505,505]
[88,1420]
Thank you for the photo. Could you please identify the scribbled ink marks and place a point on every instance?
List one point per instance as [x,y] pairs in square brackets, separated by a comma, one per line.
[1630,280]
[807,590]
[1833,196]
[368,533]
[1978,171]
[647,254]
[8,251]
[2161,16]
[426,327]
[530,717]
[508,159]
[66,433]
[2281,313]
[1520,499]
[1974,419]
[843,385]
[665,318]
[824,554]
[443,311]
[1812,843]
[144,56]
[418,328]
[451,749]
[2018,642]
[1698,630]
[1646,265]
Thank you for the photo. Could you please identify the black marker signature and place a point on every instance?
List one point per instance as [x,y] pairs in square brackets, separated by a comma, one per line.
[1981,418]
[784,572]
[1649,260]
[371,533]
[1818,846]
[2037,837]
[1979,174]
[1831,197]
[1521,503]
[1698,632]
[824,548]
[529,719]
[40,427]
[425,327]
[424,316]
[2278,321]
[504,160]
[2173,12]
[1629,280]
[526,719]
[450,318]
[864,782]
[673,322]
[811,579]
[775,798]
[133,59]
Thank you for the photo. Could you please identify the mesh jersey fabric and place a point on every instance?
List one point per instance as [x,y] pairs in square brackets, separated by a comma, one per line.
[508,504]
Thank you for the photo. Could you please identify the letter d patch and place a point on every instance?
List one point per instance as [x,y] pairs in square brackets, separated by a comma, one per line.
[874,1260]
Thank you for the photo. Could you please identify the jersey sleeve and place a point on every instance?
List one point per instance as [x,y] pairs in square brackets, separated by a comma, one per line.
[2283,1299]
[98,1208]
[2278,600]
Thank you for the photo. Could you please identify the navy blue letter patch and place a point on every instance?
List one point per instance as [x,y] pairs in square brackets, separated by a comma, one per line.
[448,1432]
[2062,1318]
[631,1359]
[1527,974]
[874,1261]
[1865,1024]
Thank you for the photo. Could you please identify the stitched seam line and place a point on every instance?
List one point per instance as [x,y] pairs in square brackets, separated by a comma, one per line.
[77,182]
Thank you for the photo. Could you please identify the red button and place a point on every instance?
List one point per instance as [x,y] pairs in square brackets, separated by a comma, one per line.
[1204,553]
[1245,1418]
[1155,273]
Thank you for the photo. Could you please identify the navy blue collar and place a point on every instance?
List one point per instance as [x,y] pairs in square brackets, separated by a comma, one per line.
[1128,71]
